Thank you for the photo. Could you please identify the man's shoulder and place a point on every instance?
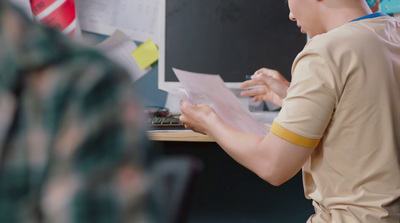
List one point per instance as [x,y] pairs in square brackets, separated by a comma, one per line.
[352,35]
[335,38]
[347,38]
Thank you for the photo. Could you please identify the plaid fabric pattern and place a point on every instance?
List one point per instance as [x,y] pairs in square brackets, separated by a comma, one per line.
[72,142]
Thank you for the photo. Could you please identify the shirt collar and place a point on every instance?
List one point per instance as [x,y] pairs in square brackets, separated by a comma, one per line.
[370,16]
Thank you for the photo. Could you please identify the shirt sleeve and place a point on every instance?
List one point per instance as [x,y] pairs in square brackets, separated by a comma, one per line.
[310,102]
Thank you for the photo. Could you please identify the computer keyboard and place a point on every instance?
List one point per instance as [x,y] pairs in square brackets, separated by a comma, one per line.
[161,122]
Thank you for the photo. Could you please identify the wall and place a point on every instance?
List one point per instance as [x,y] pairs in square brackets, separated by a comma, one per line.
[147,86]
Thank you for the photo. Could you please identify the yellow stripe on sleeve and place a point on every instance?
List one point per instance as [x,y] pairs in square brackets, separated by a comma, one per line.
[293,137]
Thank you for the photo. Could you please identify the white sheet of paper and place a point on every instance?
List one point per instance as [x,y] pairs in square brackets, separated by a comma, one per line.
[177,92]
[211,90]
[119,48]
[137,18]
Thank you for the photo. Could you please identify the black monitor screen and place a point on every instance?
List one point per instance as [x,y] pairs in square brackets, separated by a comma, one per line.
[232,38]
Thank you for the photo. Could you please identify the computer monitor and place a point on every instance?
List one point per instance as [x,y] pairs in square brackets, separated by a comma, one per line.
[232,38]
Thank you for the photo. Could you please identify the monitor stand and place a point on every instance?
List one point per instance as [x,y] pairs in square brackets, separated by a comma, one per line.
[173,104]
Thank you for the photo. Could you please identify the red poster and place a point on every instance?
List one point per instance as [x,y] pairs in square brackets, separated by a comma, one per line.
[39,5]
[61,17]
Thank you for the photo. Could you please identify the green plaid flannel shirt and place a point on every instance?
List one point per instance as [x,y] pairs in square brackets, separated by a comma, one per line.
[71,135]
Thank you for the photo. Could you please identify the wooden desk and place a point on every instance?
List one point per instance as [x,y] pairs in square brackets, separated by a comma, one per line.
[190,136]
[178,136]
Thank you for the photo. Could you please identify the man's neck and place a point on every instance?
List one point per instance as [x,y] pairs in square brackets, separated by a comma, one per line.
[339,16]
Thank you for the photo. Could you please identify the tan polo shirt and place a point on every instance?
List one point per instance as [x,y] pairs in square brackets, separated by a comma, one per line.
[345,99]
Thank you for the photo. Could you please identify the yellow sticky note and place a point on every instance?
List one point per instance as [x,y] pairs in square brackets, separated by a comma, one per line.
[146,54]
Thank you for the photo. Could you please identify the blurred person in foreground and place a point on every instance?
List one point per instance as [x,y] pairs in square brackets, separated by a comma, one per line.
[340,115]
[72,141]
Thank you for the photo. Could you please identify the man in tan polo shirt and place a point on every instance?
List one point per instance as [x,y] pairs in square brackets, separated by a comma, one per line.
[340,116]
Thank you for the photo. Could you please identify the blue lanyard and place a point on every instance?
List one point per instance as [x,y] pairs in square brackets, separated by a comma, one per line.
[370,16]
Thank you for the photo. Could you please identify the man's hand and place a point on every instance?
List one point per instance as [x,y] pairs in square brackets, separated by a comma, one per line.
[197,117]
[274,90]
